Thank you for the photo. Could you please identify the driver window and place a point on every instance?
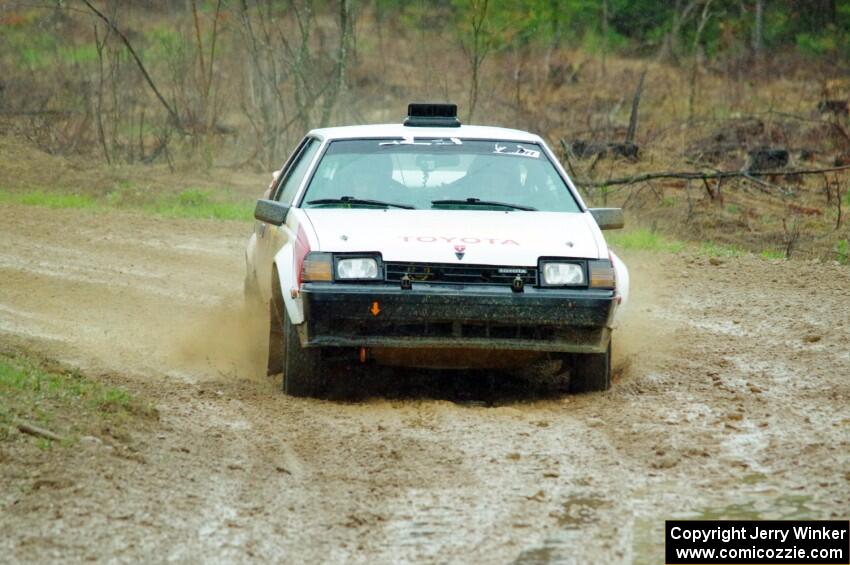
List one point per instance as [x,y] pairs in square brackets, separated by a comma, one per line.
[295,174]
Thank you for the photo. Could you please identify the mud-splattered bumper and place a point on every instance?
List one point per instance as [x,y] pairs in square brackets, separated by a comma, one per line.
[443,316]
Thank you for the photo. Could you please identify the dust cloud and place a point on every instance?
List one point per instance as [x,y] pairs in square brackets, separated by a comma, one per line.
[229,340]
[641,336]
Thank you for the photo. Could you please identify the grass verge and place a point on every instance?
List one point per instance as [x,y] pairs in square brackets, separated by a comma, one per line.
[772,254]
[62,401]
[712,249]
[643,240]
[190,203]
[48,199]
[199,204]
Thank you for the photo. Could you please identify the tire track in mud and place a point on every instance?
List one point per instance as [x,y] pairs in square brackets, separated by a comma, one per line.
[731,399]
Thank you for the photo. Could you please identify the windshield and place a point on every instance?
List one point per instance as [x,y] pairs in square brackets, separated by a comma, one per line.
[445,174]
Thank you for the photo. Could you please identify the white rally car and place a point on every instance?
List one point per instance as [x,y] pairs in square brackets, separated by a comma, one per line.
[432,244]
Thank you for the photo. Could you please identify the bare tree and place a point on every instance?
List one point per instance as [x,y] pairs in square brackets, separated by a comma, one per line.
[681,15]
[704,17]
[290,79]
[554,15]
[791,234]
[476,47]
[263,103]
[99,45]
[633,117]
[604,37]
[758,25]
[207,118]
[345,33]
[109,22]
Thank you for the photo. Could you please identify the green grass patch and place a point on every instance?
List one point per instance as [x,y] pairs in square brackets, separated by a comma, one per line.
[33,49]
[166,44]
[643,240]
[48,199]
[648,240]
[193,203]
[771,254]
[842,250]
[62,401]
[199,204]
[720,250]
[78,54]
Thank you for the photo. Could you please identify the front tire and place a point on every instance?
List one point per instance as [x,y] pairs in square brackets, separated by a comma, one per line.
[591,372]
[302,368]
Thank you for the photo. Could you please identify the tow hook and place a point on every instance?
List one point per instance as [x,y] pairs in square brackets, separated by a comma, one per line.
[517,285]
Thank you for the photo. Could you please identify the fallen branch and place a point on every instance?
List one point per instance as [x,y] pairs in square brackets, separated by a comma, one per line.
[696,175]
[766,187]
[33,430]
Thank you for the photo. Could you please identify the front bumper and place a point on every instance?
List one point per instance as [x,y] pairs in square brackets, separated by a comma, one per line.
[455,316]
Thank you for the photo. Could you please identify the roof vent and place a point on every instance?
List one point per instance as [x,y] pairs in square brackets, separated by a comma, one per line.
[432,116]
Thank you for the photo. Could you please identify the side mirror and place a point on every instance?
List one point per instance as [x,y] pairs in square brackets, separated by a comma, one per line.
[608,218]
[271,212]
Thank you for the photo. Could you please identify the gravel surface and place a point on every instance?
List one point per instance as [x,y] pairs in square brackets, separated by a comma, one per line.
[730,400]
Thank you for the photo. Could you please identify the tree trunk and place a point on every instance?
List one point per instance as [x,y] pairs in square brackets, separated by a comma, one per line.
[758,27]
[342,61]
[604,37]
[478,50]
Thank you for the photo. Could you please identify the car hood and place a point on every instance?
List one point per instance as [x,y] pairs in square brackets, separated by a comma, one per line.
[456,236]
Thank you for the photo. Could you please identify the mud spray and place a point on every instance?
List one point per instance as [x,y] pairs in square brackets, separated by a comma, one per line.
[639,338]
[229,340]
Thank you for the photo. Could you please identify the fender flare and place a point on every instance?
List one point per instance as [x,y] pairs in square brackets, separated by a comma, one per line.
[283,274]
[621,274]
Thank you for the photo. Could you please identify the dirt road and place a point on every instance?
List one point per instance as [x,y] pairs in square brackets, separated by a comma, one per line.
[732,399]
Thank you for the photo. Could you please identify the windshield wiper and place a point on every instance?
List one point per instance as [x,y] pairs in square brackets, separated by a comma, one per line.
[363,201]
[479,202]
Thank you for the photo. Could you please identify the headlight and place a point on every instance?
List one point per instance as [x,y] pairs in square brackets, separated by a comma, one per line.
[357,268]
[563,274]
